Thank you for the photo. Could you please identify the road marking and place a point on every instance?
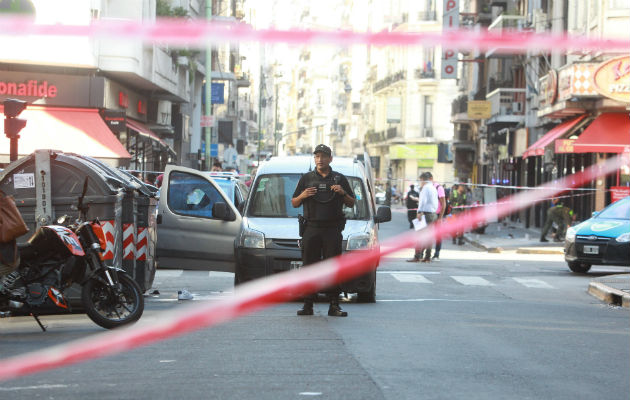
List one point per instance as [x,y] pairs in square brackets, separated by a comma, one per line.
[411,278]
[217,274]
[472,280]
[310,393]
[16,388]
[168,273]
[410,272]
[533,283]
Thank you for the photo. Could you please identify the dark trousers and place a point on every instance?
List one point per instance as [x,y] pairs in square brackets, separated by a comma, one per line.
[430,218]
[411,215]
[319,244]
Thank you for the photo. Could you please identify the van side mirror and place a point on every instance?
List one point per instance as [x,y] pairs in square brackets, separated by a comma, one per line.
[383,214]
[221,211]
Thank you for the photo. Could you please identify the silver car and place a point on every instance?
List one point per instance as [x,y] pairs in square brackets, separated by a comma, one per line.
[268,240]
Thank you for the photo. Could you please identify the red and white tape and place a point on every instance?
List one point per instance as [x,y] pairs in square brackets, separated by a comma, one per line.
[263,293]
[200,33]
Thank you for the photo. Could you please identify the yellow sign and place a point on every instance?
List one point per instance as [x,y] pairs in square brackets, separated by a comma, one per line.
[413,151]
[479,109]
[612,79]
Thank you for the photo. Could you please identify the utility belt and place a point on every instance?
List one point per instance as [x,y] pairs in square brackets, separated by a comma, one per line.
[303,223]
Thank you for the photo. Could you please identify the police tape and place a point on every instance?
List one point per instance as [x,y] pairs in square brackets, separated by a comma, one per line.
[256,295]
[201,33]
[490,185]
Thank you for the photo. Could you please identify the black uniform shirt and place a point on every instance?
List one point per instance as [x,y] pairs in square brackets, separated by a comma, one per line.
[325,205]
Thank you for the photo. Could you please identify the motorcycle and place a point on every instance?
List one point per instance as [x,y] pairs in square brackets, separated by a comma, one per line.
[54,258]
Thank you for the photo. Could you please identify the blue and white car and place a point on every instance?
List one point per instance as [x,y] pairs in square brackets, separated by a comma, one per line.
[603,239]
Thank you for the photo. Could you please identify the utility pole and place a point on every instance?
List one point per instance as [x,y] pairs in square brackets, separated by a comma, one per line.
[275,119]
[208,91]
[260,98]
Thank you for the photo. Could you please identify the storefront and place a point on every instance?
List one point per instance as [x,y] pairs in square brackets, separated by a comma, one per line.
[72,113]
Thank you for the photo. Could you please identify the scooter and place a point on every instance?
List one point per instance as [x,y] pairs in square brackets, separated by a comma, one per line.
[54,258]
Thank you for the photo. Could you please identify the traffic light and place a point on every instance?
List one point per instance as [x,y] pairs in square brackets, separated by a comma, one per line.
[13,125]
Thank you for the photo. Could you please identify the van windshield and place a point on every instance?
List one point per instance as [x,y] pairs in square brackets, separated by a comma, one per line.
[271,197]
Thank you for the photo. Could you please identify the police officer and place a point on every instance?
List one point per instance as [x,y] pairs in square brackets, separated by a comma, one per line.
[559,214]
[323,192]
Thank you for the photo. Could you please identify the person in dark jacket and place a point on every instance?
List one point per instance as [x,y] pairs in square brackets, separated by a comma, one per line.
[323,193]
[412,204]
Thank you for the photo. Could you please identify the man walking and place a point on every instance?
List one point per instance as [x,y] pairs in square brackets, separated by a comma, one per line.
[427,207]
[323,192]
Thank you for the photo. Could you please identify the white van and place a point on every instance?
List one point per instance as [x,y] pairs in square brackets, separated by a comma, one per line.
[268,240]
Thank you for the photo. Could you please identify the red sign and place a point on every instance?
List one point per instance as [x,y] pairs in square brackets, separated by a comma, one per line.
[123,100]
[142,107]
[612,79]
[564,145]
[619,192]
[31,88]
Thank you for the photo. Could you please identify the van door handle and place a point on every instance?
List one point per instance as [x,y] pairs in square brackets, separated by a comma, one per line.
[158,219]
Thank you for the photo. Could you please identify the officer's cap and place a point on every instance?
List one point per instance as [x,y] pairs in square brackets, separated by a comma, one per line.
[322,148]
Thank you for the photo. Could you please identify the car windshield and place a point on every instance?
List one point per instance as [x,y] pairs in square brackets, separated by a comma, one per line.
[618,210]
[271,197]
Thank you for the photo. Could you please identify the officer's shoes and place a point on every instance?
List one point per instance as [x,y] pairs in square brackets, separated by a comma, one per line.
[335,311]
[544,239]
[306,310]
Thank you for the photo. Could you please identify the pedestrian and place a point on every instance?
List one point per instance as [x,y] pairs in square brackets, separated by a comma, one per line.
[458,201]
[216,166]
[411,197]
[440,216]
[561,215]
[427,207]
[323,193]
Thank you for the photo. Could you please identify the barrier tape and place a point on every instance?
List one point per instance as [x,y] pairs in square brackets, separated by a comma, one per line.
[200,33]
[256,295]
[485,185]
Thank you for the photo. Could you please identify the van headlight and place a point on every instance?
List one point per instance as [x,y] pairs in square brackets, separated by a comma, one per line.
[252,239]
[359,241]
[623,238]
[570,235]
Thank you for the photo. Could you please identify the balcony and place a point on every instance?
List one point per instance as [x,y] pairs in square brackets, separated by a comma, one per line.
[502,23]
[422,73]
[390,80]
[507,105]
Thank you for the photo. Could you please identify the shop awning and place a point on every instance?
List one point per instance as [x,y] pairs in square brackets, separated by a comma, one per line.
[73,130]
[609,133]
[538,148]
[143,130]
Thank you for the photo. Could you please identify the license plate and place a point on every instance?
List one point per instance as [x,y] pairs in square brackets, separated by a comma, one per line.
[296,264]
[591,250]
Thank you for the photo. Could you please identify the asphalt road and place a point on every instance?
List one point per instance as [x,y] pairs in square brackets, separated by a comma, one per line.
[473,325]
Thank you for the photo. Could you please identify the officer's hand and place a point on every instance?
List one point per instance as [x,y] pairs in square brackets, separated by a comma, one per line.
[338,189]
[308,192]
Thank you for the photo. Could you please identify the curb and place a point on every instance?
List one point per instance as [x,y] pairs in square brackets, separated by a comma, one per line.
[538,250]
[609,295]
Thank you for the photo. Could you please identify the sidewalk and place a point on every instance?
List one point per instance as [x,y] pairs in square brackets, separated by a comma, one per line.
[513,236]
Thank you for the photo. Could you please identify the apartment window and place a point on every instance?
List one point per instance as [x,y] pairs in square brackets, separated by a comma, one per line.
[427,10]
[428,117]
[428,60]
[618,4]
[95,13]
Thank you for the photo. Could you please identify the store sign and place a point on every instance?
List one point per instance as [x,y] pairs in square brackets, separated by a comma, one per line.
[548,89]
[479,109]
[576,80]
[116,120]
[450,21]
[207,121]
[612,79]
[619,192]
[30,88]
[564,145]
[413,151]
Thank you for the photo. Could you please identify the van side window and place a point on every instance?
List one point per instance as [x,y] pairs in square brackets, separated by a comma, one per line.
[191,195]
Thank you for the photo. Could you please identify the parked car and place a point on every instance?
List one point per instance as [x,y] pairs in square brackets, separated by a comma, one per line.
[232,185]
[603,239]
[380,197]
[268,241]
[197,221]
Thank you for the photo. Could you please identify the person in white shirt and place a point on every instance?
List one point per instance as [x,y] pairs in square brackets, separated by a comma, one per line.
[427,207]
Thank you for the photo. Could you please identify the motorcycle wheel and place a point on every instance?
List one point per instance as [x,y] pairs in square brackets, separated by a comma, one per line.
[112,308]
